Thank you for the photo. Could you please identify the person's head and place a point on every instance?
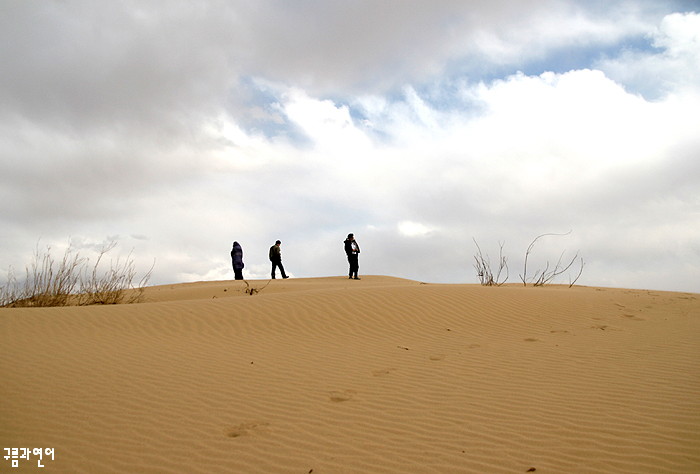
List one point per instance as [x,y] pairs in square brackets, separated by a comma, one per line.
[351,236]
[235,243]
[278,242]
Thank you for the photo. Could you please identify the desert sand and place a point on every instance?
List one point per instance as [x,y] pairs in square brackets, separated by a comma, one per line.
[382,375]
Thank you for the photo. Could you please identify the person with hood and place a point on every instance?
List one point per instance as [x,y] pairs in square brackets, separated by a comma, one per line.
[276,259]
[237,260]
[352,249]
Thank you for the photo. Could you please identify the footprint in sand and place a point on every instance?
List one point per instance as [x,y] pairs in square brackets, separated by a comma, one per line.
[243,429]
[341,395]
[437,357]
[531,339]
[632,317]
[604,327]
[383,372]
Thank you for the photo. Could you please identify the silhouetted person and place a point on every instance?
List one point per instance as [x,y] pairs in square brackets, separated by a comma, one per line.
[276,259]
[237,260]
[352,249]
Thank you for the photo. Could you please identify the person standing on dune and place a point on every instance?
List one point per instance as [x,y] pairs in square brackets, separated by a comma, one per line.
[352,249]
[237,260]
[276,259]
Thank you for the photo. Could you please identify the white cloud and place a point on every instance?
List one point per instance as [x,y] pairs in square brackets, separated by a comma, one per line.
[330,127]
[414,229]
[679,35]
[674,69]
[558,26]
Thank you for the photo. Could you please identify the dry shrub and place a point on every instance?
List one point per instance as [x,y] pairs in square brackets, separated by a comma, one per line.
[488,277]
[251,290]
[483,268]
[543,277]
[73,281]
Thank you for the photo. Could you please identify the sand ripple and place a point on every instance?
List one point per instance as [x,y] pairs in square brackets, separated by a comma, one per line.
[382,375]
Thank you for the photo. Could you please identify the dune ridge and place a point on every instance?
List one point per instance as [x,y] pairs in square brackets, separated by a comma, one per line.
[327,375]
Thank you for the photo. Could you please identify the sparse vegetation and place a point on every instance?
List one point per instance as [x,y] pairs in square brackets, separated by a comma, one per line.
[540,278]
[543,277]
[73,281]
[109,287]
[483,267]
[250,290]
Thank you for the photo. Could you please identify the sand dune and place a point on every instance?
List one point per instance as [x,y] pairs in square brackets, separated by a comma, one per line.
[382,375]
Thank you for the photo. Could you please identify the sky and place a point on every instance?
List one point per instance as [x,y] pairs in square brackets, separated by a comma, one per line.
[175,128]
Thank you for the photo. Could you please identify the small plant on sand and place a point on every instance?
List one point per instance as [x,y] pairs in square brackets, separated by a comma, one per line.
[71,281]
[250,290]
[110,285]
[482,265]
[541,277]
[47,282]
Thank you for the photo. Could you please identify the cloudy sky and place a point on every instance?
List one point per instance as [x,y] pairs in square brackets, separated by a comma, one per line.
[175,128]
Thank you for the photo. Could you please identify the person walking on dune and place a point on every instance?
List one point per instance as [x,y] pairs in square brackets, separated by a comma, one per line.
[352,249]
[237,260]
[276,259]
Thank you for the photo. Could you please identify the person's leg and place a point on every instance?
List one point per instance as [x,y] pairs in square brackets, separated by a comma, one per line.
[355,266]
[284,275]
[274,265]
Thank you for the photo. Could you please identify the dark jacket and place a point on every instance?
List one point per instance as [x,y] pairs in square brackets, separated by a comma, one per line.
[348,247]
[237,256]
[275,253]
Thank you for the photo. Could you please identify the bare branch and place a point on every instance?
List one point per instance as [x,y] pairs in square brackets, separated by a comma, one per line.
[250,290]
[483,267]
[70,281]
[571,283]
[523,277]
